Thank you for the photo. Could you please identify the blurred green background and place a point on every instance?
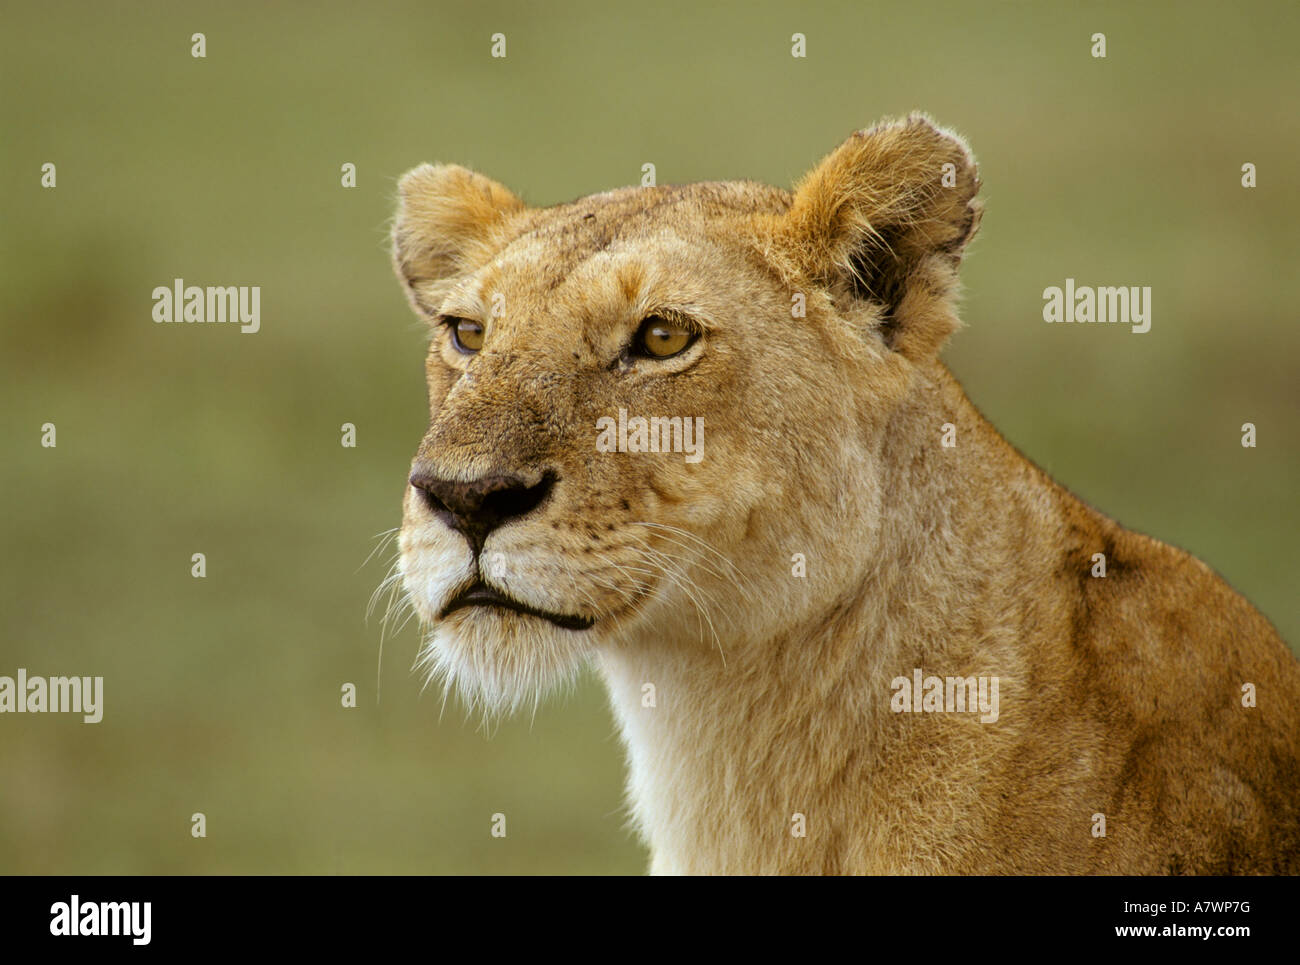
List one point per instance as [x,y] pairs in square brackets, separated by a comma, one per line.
[223,694]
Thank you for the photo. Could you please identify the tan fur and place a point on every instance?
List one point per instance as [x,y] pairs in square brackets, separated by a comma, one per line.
[1118,695]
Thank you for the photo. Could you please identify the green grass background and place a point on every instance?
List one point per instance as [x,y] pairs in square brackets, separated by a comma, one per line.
[222,695]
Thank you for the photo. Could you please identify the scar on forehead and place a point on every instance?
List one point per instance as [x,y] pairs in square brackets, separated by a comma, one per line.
[488,283]
[631,279]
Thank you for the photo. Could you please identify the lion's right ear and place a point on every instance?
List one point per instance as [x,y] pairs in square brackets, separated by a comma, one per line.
[449,220]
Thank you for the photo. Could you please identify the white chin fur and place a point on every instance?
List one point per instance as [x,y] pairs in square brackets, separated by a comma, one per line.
[495,659]
[499,660]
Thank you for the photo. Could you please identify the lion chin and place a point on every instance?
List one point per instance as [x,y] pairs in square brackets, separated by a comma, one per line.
[499,661]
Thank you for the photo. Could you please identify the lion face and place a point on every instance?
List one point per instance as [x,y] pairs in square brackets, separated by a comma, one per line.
[642,405]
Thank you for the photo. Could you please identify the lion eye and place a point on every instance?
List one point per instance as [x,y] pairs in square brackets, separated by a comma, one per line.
[466,334]
[660,338]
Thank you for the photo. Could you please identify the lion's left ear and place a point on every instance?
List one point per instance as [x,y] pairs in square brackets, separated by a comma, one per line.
[449,221]
[885,218]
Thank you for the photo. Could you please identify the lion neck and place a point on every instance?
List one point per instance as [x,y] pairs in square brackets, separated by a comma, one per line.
[729,749]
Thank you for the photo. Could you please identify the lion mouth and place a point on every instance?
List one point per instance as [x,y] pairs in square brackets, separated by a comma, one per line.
[479,593]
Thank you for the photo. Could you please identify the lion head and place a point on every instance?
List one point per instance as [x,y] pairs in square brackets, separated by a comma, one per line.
[645,403]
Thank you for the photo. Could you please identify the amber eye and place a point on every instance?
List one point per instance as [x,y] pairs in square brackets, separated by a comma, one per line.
[660,338]
[466,334]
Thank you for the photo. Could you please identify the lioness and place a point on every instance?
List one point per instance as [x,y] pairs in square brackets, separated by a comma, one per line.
[850,526]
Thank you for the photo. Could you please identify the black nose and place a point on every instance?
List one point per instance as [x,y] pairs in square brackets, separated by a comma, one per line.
[476,508]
